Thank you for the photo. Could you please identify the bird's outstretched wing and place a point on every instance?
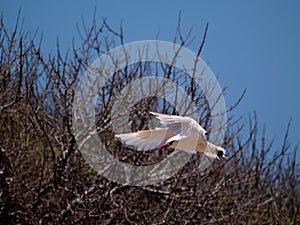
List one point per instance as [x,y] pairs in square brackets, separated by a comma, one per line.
[146,139]
[185,126]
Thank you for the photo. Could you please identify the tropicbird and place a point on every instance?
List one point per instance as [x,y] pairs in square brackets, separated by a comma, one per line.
[179,132]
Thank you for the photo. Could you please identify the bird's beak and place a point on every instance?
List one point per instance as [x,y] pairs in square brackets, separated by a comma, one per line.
[163,147]
[224,158]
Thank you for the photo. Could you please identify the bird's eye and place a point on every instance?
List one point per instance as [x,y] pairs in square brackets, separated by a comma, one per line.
[220,154]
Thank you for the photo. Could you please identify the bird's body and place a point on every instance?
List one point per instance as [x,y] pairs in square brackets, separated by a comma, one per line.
[179,132]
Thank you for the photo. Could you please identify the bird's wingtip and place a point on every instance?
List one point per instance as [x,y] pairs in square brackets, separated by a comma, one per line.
[153,113]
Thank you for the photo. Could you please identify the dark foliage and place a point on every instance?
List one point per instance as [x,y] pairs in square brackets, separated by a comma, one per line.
[45,180]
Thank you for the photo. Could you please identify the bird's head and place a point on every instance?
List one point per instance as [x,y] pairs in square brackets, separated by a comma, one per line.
[215,151]
[221,152]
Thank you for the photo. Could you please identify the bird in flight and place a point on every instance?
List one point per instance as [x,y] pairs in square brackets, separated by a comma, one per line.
[178,132]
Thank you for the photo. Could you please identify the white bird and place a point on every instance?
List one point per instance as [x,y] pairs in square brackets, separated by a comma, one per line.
[179,132]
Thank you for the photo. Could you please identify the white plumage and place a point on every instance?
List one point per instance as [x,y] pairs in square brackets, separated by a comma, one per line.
[179,132]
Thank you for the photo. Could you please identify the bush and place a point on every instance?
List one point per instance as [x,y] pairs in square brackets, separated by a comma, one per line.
[45,180]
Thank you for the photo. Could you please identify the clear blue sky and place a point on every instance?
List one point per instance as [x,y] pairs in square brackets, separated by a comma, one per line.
[250,44]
